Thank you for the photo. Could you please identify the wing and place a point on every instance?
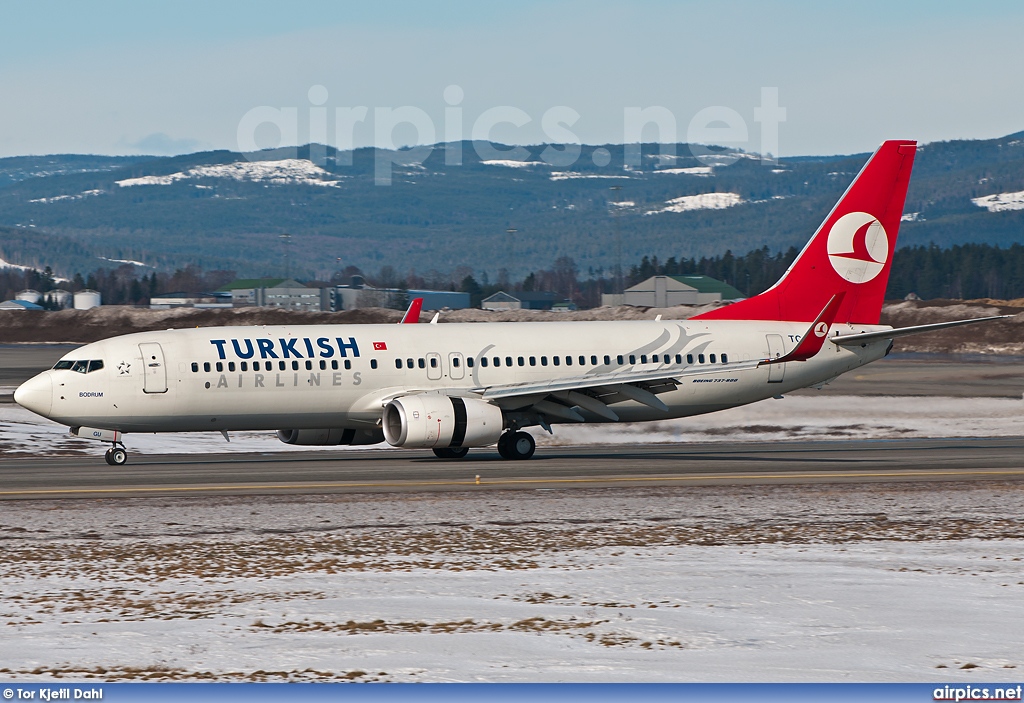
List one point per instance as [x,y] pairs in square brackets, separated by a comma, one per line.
[596,393]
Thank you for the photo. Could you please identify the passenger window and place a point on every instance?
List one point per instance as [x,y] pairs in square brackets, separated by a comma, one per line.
[206,366]
[398,363]
[245,365]
[725,359]
[309,365]
[643,358]
[508,361]
[373,363]
[409,363]
[556,360]
[568,361]
[323,365]
[195,367]
[455,361]
[220,367]
[689,358]
[521,361]
[469,361]
[712,358]
[593,360]
[433,362]
[295,366]
[583,361]
[679,358]
[483,361]
[281,366]
[607,360]
[632,359]
[334,364]
[618,360]
[348,364]
[231,366]
[700,358]
[533,361]
[543,361]
[422,363]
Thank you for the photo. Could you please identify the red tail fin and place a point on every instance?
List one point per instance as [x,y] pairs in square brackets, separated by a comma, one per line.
[851,252]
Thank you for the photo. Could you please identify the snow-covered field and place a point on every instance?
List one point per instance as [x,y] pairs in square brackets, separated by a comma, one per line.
[784,583]
[794,417]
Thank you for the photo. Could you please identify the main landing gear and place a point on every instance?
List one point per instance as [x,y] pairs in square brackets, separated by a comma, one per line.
[451,452]
[511,445]
[516,445]
[116,455]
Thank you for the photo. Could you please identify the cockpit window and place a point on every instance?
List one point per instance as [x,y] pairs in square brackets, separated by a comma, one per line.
[79,366]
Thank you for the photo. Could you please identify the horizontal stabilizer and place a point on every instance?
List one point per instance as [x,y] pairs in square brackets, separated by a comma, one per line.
[865,337]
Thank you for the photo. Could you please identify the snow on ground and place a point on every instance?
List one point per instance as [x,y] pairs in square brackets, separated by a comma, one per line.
[778,583]
[704,201]
[58,198]
[1001,202]
[8,265]
[512,163]
[794,417]
[283,172]
[691,171]
[573,175]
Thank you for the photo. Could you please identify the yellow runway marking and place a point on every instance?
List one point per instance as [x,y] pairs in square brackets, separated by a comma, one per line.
[516,482]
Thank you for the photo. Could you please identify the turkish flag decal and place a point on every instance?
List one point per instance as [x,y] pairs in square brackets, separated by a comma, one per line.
[380,346]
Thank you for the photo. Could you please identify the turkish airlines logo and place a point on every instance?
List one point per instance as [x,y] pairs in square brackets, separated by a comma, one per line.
[821,329]
[858,247]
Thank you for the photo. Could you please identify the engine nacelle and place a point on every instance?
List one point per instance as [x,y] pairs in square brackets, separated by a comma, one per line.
[431,421]
[330,437]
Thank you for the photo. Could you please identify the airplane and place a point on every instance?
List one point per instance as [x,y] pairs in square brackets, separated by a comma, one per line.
[452,387]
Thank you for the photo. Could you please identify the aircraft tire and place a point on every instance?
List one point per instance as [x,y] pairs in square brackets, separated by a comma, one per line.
[118,457]
[520,445]
[106,458]
[451,452]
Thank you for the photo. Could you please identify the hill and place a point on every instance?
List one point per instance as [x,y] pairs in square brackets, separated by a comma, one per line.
[225,210]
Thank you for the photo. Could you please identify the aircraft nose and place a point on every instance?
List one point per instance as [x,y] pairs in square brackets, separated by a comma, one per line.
[36,394]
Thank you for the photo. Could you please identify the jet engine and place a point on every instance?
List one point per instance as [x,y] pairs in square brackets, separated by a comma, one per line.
[329,437]
[430,421]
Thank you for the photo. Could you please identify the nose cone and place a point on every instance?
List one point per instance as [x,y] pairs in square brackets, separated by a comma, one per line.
[36,394]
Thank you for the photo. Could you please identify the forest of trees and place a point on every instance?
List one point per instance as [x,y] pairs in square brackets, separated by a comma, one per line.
[959,272]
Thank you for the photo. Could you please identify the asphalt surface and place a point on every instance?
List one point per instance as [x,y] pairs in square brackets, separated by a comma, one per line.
[551,468]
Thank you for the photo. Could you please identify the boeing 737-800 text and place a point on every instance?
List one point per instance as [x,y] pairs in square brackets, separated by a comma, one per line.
[450,387]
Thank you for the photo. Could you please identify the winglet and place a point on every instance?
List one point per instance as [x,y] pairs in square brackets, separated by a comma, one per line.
[412,315]
[813,339]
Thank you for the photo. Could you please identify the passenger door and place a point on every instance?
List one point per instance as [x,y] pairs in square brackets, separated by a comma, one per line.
[776,349]
[155,371]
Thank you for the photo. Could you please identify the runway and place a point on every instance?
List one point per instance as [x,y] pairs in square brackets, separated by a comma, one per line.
[552,468]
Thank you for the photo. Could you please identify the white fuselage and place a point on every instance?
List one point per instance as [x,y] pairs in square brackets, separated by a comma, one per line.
[341,376]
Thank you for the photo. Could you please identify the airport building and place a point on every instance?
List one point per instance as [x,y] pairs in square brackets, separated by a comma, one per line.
[668,291]
[522,300]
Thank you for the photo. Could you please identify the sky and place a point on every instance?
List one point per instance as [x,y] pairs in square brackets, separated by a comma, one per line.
[158,77]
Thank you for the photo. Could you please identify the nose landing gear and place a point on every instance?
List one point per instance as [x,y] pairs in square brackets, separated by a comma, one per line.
[116,455]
